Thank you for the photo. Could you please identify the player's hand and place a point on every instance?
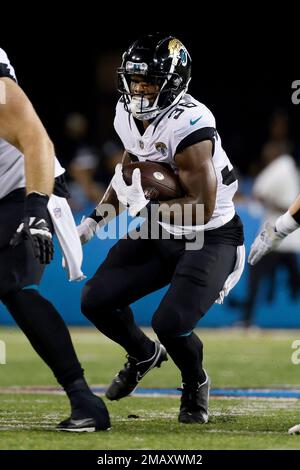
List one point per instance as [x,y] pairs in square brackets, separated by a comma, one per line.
[267,240]
[132,195]
[87,229]
[36,230]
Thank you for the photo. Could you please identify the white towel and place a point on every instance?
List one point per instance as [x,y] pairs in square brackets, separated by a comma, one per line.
[234,277]
[69,241]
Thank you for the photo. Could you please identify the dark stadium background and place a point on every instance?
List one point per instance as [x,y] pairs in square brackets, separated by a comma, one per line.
[59,75]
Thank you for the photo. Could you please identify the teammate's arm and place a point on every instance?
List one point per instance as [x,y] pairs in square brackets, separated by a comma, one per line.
[21,127]
[198,179]
[294,209]
[270,236]
[100,216]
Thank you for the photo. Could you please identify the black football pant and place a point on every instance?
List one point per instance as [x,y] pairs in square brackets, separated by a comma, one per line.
[135,268]
[20,275]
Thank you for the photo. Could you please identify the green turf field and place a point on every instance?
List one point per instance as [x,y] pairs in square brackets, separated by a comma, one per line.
[233,359]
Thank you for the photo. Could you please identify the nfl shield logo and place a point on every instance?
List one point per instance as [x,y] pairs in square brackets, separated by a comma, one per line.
[57,212]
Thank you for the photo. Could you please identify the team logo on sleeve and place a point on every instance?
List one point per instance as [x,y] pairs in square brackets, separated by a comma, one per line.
[162,148]
[57,212]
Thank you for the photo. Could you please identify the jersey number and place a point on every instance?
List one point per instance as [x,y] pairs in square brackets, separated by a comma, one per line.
[178,111]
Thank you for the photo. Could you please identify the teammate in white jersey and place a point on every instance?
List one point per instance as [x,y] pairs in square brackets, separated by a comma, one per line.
[269,238]
[157,121]
[27,169]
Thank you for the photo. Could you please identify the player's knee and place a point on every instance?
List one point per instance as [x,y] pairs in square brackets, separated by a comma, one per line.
[8,290]
[19,298]
[6,297]
[95,299]
[167,323]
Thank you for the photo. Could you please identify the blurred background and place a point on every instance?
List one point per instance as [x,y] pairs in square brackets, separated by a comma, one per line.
[71,80]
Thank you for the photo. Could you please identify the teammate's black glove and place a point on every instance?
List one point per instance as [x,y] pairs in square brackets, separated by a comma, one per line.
[34,227]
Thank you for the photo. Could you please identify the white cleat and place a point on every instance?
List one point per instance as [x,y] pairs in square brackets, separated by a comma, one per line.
[295,429]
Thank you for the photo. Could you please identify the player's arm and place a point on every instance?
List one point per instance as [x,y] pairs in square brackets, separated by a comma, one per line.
[101,215]
[294,210]
[21,127]
[198,179]
[270,236]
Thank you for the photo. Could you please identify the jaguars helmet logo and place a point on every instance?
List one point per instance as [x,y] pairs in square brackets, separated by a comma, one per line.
[178,51]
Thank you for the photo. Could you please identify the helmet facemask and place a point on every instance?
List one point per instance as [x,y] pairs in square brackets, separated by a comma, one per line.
[139,104]
[160,61]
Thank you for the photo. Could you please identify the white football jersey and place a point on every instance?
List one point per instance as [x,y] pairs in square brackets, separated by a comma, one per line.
[12,171]
[187,123]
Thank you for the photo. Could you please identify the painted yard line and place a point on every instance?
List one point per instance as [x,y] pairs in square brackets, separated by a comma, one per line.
[169,392]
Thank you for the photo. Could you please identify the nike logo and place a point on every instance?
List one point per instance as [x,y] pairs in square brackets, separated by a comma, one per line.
[193,121]
[81,422]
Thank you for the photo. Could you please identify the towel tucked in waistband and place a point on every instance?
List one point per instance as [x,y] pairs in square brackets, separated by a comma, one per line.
[65,229]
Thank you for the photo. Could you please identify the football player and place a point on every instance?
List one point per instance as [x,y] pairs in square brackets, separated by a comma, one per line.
[158,121]
[269,238]
[27,170]
[271,235]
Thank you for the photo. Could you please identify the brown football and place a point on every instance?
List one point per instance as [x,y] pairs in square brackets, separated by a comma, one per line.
[158,180]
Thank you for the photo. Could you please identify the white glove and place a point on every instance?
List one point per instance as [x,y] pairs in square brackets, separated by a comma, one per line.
[267,240]
[87,229]
[132,195]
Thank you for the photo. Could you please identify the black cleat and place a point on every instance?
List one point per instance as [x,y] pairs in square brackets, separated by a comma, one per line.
[128,378]
[91,417]
[194,403]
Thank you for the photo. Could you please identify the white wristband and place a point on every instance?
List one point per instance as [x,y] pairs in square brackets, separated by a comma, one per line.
[286,224]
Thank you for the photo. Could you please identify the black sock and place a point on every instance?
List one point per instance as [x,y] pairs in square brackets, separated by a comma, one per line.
[84,404]
[119,325]
[78,392]
[47,333]
[187,353]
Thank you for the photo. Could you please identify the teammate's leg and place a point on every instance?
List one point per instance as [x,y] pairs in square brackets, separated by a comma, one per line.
[20,275]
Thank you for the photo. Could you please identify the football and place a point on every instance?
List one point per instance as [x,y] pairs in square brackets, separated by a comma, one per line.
[158,180]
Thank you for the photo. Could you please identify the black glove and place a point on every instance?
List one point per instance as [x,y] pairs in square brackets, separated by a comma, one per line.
[34,227]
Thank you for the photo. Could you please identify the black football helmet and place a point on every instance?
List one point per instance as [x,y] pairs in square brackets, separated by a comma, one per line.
[162,60]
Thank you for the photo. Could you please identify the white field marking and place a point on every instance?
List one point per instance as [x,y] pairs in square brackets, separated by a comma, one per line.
[265,409]
[2,352]
[268,406]
[88,335]
[28,415]
[20,426]
[254,399]
[13,400]
[31,422]
[32,391]
[243,433]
